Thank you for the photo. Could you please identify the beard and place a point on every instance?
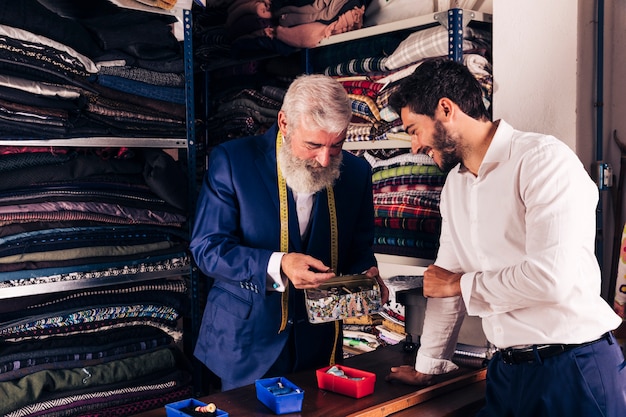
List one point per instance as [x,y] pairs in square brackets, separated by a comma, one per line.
[307,176]
[447,146]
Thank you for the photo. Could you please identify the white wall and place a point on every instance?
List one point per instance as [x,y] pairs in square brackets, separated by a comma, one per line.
[545,78]
[534,68]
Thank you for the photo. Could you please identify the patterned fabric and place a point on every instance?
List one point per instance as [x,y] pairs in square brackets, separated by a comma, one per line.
[429,43]
[365,108]
[178,262]
[357,66]
[410,180]
[430,225]
[428,199]
[93,379]
[367,88]
[404,210]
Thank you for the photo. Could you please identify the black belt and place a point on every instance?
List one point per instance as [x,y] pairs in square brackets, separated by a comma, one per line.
[527,355]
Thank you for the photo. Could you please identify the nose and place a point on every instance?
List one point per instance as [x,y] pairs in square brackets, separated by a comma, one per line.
[415,144]
[323,156]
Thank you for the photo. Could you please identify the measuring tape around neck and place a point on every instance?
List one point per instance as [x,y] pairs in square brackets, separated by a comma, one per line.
[284,238]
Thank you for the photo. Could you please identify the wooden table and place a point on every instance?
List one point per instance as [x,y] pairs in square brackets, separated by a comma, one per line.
[456,394]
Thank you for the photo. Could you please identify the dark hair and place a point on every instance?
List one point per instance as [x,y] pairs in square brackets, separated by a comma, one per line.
[435,79]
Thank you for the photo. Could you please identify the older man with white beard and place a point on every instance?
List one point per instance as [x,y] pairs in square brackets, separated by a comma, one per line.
[277,214]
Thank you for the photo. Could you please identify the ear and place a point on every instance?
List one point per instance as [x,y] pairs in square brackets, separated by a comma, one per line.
[445,108]
[282,122]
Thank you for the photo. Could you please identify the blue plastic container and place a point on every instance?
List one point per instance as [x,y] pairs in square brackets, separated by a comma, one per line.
[274,399]
[174,409]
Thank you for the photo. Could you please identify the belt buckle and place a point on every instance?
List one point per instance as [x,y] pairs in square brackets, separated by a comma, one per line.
[507,356]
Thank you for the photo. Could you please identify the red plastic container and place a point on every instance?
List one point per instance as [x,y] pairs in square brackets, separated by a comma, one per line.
[346,386]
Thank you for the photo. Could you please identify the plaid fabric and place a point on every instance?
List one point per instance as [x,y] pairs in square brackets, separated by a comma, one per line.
[410,180]
[428,43]
[382,100]
[403,210]
[364,107]
[359,132]
[408,187]
[417,224]
[363,88]
[428,199]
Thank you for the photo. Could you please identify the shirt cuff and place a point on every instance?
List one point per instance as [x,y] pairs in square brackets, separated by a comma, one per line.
[432,366]
[275,279]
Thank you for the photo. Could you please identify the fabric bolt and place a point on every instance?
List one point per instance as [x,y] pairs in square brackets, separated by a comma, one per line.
[79,343]
[107,251]
[364,107]
[55,321]
[26,160]
[60,55]
[429,43]
[52,62]
[89,210]
[431,225]
[147,76]
[28,389]
[59,238]
[170,292]
[405,170]
[152,166]
[174,261]
[428,199]
[403,211]
[34,95]
[398,160]
[150,393]
[357,66]
[143,89]
[140,105]
[405,241]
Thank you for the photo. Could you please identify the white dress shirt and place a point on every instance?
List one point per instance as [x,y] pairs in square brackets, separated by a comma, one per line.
[522,232]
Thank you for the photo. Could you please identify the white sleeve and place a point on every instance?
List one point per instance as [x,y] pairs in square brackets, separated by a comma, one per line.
[442,321]
[275,279]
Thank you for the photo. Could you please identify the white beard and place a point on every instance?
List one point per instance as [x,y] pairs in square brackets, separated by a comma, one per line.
[304,176]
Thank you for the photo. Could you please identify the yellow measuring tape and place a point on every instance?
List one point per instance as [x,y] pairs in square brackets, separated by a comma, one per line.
[284,239]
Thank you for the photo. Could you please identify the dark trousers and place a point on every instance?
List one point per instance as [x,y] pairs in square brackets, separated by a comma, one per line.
[587,381]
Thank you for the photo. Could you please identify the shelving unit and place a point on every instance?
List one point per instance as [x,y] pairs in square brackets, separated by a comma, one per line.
[146,272]
[188,144]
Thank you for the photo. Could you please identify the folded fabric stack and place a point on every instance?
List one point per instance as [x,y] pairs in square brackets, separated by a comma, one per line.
[82,231]
[406,191]
[376,65]
[94,70]
[108,351]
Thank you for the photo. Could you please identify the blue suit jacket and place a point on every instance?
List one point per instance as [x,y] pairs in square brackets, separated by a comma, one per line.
[237,228]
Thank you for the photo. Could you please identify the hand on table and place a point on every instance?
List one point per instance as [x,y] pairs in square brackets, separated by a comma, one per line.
[408,375]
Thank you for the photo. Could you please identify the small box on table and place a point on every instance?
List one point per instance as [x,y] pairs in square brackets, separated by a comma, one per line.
[279,394]
[179,408]
[354,382]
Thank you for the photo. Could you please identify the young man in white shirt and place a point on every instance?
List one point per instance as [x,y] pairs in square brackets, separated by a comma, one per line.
[517,249]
